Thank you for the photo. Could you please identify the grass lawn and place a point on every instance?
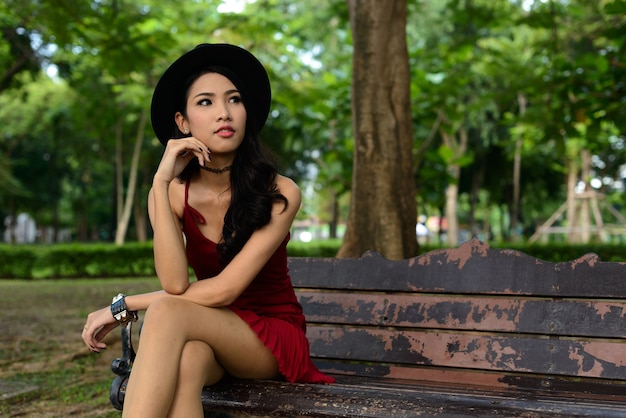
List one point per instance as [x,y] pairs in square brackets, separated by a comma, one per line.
[42,353]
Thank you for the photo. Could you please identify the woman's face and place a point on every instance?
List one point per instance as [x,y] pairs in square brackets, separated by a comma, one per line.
[215,113]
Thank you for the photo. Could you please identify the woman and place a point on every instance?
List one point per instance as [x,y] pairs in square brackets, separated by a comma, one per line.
[217,204]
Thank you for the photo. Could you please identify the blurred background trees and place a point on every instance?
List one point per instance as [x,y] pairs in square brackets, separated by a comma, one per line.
[518,108]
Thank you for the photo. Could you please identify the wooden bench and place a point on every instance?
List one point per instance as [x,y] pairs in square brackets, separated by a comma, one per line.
[471,331]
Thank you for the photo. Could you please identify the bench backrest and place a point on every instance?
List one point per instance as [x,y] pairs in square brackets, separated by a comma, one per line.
[446,315]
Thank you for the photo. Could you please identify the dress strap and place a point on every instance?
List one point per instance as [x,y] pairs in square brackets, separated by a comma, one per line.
[195,215]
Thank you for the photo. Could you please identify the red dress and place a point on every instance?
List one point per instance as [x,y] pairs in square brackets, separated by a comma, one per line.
[269,304]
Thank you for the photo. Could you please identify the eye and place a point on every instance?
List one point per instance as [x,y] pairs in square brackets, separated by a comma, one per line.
[204,102]
[235,99]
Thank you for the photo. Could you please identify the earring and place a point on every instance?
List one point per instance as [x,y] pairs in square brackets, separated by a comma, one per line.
[186,131]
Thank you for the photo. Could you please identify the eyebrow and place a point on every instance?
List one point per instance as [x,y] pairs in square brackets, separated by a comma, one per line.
[226,93]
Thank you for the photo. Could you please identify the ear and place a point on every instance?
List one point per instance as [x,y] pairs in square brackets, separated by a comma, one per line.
[181,122]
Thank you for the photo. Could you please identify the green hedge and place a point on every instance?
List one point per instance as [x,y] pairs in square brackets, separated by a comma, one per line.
[106,260]
[547,252]
[325,248]
[566,252]
[99,260]
[76,260]
[559,251]
[136,260]
[17,261]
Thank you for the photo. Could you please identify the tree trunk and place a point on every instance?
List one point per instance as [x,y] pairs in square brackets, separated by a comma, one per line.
[140,211]
[334,215]
[383,211]
[122,224]
[452,194]
[140,220]
[474,199]
[119,171]
[572,178]
[452,191]
[517,169]
[585,214]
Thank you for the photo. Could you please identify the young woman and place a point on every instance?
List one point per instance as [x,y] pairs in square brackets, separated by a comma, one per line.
[217,204]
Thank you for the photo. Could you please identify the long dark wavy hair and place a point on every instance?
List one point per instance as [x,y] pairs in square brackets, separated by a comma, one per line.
[252,178]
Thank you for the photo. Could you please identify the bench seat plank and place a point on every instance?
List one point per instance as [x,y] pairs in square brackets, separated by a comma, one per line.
[494,380]
[352,397]
[531,354]
[572,317]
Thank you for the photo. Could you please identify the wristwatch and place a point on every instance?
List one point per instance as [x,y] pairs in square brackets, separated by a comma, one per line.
[120,311]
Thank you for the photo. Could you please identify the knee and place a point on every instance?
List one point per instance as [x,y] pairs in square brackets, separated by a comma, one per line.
[167,309]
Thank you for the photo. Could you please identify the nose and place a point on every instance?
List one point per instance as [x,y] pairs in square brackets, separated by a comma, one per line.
[223,113]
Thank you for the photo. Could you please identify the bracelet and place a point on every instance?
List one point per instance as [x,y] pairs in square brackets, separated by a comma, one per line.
[120,311]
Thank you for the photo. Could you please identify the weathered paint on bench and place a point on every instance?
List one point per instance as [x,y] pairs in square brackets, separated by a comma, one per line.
[468,331]
[471,308]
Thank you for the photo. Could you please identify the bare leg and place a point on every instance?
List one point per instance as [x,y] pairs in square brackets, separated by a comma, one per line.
[198,368]
[170,323]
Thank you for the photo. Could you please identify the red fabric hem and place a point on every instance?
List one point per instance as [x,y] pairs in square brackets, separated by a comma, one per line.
[289,345]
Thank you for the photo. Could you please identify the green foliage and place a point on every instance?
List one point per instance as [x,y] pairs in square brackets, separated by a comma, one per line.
[319,248]
[469,59]
[556,252]
[76,260]
[136,260]
[565,252]
[107,260]
[17,262]
[97,260]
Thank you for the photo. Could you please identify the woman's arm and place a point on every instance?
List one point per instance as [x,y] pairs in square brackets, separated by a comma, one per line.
[169,247]
[99,323]
[170,260]
[165,198]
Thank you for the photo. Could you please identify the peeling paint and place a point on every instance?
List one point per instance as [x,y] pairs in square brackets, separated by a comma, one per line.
[589,259]
[495,317]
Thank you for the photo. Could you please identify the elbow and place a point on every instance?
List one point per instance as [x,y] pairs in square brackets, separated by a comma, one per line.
[175,288]
[225,298]
[221,299]
[226,301]
[173,282]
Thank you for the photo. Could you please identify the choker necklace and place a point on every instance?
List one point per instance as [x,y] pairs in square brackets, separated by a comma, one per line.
[217,170]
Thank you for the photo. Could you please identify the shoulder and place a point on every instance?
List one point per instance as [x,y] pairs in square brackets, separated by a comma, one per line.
[288,188]
[176,195]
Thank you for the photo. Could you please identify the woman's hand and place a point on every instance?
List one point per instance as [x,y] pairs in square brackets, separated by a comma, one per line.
[178,153]
[98,324]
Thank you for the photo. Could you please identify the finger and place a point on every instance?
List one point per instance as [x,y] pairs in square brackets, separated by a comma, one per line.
[200,155]
[89,335]
[89,341]
[86,335]
[198,152]
[200,146]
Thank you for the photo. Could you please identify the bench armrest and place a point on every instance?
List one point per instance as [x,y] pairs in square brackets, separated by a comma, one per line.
[121,366]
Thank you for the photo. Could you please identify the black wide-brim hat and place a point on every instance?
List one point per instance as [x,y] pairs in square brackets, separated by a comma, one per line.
[170,90]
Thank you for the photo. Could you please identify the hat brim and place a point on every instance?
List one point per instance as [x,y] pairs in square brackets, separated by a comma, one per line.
[243,64]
